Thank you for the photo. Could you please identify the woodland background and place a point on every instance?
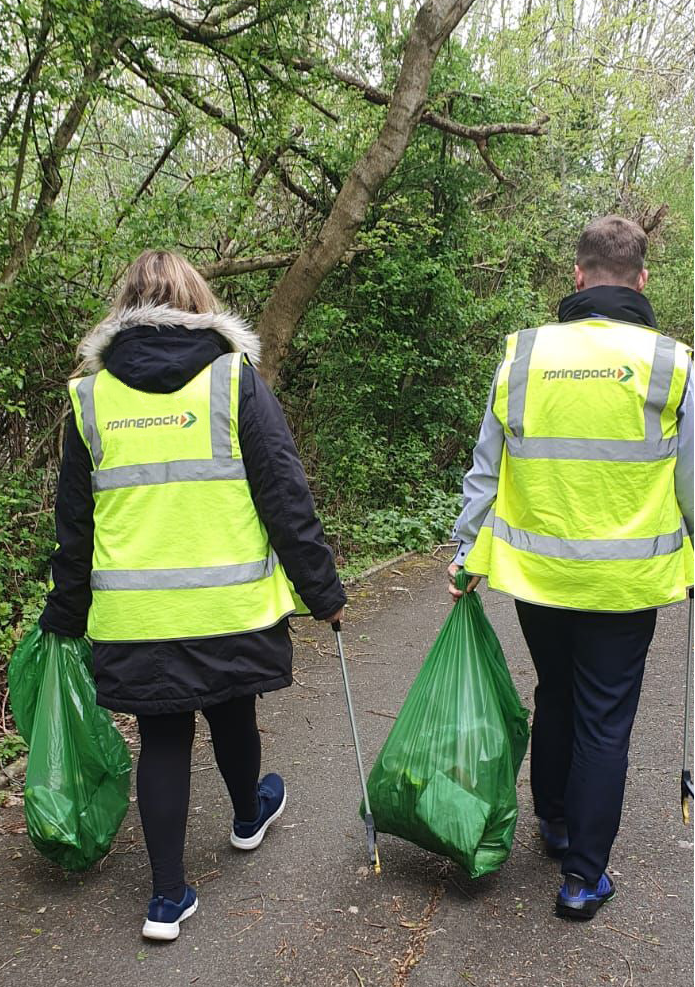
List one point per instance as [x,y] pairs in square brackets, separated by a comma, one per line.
[227,131]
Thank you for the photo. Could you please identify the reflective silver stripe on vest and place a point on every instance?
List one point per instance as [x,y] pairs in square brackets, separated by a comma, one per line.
[518,381]
[659,386]
[177,471]
[203,577]
[588,549]
[222,466]
[85,392]
[608,450]
[652,448]
[220,397]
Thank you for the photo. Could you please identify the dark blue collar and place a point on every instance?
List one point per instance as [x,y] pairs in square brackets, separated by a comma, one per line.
[609,302]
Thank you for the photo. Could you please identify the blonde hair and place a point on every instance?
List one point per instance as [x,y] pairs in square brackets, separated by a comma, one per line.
[157,278]
[161,277]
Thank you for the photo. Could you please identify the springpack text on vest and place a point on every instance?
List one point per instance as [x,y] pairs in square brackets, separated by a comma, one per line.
[183,420]
[623,374]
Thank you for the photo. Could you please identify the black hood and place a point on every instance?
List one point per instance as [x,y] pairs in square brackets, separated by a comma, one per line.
[609,302]
[162,359]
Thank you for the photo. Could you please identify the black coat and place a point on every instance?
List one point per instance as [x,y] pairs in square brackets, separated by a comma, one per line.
[169,676]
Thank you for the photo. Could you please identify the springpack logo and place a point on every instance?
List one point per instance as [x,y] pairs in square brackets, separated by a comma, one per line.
[622,374]
[184,419]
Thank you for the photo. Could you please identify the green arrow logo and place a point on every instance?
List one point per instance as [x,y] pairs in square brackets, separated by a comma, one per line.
[625,374]
[188,419]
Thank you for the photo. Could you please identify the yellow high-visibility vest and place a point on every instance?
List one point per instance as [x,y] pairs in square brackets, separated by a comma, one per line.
[586,515]
[179,548]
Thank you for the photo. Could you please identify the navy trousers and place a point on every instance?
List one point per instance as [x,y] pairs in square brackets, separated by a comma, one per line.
[589,667]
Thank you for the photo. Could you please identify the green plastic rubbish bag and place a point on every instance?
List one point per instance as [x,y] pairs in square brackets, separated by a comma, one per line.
[446,777]
[78,771]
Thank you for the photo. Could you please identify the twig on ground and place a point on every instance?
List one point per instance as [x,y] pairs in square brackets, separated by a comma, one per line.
[531,849]
[360,981]
[656,884]
[247,927]
[209,876]
[382,712]
[632,935]
[628,982]
[361,661]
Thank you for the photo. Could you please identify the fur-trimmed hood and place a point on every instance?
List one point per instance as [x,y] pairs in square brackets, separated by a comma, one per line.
[230,327]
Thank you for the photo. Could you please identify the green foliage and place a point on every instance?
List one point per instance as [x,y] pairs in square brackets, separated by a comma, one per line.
[11,746]
[26,539]
[417,524]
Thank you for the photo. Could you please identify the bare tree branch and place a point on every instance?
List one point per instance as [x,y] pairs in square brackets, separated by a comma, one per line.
[159,81]
[301,193]
[179,133]
[380,97]
[309,155]
[653,222]
[302,93]
[231,266]
[487,158]
[211,30]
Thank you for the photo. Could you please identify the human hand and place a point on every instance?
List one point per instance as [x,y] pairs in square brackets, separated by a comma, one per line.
[452,572]
[472,583]
[337,617]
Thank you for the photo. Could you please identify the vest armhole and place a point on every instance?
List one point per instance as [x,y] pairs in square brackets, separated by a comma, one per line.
[688,374]
[76,408]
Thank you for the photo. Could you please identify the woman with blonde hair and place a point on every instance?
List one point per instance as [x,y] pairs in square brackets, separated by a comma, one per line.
[186,535]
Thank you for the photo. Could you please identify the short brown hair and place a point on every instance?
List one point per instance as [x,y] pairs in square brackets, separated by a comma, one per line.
[162,277]
[612,246]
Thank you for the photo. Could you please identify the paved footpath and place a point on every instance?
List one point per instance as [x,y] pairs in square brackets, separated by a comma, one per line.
[305,910]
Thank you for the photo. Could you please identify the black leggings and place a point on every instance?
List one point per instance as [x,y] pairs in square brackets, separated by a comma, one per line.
[164,779]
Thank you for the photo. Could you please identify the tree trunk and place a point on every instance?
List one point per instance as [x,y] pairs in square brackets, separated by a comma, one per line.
[50,162]
[435,21]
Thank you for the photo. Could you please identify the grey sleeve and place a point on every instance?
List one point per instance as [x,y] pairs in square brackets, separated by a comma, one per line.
[685,475]
[480,483]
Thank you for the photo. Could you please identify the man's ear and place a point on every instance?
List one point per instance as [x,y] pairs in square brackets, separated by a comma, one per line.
[642,279]
[579,279]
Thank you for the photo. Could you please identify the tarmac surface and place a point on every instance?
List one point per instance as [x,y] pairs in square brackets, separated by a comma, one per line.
[305,909]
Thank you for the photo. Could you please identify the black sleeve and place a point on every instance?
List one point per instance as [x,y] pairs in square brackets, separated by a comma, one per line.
[68,602]
[282,497]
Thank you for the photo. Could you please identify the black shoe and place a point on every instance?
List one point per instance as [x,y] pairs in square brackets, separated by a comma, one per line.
[554,835]
[579,900]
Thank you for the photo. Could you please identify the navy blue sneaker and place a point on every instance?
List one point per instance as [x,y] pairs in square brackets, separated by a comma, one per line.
[272,797]
[580,900]
[164,915]
[554,835]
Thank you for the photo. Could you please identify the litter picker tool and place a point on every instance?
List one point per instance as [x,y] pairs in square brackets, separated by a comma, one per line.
[686,777]
[368,818]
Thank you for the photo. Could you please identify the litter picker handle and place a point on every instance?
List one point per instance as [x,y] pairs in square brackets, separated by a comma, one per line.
[351,714]
[686,777]
[368,817]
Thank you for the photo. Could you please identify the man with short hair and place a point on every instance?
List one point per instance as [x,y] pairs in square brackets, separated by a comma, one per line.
[579,504]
